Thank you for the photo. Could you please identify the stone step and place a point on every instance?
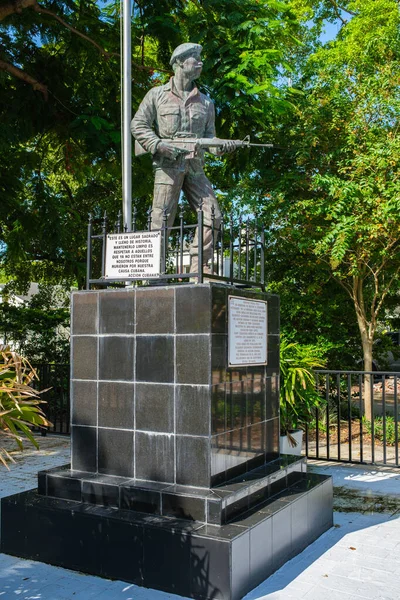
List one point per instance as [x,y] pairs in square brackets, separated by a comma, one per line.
[186,557]
[215,506]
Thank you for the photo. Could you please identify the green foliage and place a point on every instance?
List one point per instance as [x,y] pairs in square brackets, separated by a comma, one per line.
[64,157]
[328,193]
[331,197]
[19,402]
[390,426]
[298,394]
[40,329]
[62,150]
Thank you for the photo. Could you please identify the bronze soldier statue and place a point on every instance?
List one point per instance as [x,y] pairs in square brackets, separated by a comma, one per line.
[178,110]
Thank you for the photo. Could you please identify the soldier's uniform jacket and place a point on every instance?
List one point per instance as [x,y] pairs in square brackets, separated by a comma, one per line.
[164,113]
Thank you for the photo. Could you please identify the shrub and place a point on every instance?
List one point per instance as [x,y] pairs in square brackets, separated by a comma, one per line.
[378,429]
[298,394]
[19,402]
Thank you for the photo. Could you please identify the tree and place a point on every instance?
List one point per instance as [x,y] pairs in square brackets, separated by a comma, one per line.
[334,194]
[60,136]
[60,69]
[39,330]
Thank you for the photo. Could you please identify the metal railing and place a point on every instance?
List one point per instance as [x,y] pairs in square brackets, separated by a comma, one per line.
[238,256]
[55,378]
[341,429]
[358,418]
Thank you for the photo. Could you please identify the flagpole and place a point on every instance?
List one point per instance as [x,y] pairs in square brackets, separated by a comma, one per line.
[126,114]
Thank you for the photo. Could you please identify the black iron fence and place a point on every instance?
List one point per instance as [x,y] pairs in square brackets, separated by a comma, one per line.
[357,421]
[238,255]
[358,418]
[56,380]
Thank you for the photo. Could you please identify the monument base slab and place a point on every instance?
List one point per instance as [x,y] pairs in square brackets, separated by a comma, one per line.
[185,557]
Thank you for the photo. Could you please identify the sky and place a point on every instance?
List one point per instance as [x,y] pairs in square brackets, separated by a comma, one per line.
[331,31]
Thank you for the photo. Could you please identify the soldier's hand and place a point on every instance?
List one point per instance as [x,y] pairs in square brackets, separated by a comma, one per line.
[168,150]
[228,147]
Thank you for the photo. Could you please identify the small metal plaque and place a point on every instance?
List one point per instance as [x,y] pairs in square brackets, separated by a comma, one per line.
[247,332]
[133,255]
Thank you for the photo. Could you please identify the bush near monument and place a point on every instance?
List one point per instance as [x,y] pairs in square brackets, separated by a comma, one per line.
[20,408]
[298,394]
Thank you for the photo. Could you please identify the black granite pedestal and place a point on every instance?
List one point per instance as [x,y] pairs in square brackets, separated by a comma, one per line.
[176,482]
[152,395]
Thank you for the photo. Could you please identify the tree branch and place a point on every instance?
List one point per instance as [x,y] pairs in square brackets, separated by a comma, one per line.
[337,10]
[16,72]
[14,6]
[39,9]
[67,189]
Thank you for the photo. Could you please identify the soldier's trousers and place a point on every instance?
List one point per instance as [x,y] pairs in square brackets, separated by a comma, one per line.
[168,184]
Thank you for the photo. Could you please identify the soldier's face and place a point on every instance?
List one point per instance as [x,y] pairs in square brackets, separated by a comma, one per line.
[192,66]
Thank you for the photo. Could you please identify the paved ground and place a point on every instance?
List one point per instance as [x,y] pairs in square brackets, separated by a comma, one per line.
[358,558]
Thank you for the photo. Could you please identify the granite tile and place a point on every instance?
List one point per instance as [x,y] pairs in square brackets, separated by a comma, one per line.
[272,438]
[122,553]
[281,537]
[116,358]
[116,405]
[237,392]
[210,568]
[84,357]
[83,448]
[155,407]
[155,455]
[219,357]
[193,309]
[261,551]
[193,359]
[117,311]
[256,399]
[273,351]
[155,359]
[218,408]
[166,560]
[183,507]
[139,499]
[218,458]
[240,566]
[192,410]
[115,450]
[84,313]
[100,493]
[155,311]
[272,397]
[84,402]
[64,487]
[193,461]
[219,322]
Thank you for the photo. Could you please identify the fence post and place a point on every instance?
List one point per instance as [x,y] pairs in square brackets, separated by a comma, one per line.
[231,248]
[200,221]
[104,237]
[89,252]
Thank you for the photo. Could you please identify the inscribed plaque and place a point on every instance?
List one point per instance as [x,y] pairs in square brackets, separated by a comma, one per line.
[133,255]
[247,332]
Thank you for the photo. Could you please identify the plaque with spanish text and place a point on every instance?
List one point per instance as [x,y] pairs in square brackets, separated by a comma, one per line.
[247,332]
[133,255]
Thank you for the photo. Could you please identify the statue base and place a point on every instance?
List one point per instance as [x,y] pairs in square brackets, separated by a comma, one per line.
[176,482]
[173,551]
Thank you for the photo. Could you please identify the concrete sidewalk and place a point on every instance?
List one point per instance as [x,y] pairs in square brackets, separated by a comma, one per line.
[358,558]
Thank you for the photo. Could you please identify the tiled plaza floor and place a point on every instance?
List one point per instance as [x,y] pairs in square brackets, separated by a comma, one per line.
[358,558]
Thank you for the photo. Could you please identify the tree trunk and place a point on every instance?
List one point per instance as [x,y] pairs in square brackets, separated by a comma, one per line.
[367,332]
[368,380]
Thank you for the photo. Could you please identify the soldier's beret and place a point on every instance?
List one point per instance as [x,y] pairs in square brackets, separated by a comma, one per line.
[185,50]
